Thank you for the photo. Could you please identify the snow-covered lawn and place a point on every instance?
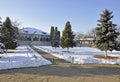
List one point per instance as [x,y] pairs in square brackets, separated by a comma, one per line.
[81,55]
[23,56]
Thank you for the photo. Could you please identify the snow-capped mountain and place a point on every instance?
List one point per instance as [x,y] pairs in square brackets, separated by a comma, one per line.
[30,30]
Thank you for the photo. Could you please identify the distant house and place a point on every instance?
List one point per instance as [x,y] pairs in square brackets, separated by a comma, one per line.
[33,36]
[90,41]
[85,42]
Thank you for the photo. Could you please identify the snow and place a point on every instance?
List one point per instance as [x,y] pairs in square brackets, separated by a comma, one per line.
[24,56]
[30,30]
[87,39]
[2,46]
[21,57]
[81,55]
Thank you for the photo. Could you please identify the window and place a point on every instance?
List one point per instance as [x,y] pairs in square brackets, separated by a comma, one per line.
[35,39]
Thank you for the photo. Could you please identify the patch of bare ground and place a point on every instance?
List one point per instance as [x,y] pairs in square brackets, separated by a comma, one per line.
[106,57]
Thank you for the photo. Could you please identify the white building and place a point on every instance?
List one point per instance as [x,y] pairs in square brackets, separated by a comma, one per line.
[33,36]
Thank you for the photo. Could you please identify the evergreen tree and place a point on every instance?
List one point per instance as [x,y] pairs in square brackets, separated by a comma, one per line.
[67,39]
[51,35]
[0,22]
[0,26]
[15,25]
[16,32]
[8,34]
[55,37]
[106,33]
[118,39]
[58,38]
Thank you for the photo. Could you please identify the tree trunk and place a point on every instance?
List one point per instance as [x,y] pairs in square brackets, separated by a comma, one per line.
[105,53]
[67,49]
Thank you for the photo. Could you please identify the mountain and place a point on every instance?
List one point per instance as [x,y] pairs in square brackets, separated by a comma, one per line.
[30,30]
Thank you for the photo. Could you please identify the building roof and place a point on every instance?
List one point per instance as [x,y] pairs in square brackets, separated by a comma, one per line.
[87,39]
[30,30]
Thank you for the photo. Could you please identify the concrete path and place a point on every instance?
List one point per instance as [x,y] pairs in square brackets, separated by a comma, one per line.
[53,59]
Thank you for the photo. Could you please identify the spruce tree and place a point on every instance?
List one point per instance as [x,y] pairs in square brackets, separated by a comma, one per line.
[67,39]
[8,34]
[15,25]
[106,33]
[0,27]
[16,32]
[0,22]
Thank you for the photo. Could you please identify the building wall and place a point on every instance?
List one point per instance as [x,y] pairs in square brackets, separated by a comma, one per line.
[34,39]
[85,43]
[34,43]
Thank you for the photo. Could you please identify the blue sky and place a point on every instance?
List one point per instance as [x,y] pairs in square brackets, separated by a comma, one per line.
[42,14]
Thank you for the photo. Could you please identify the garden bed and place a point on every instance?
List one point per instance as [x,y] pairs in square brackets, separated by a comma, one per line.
[106,57]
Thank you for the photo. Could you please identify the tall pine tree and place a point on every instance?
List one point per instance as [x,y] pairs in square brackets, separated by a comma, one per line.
[67,39]
[106,33]
[8,34]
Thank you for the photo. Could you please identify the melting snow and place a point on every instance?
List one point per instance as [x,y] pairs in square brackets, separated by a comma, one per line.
[81,55]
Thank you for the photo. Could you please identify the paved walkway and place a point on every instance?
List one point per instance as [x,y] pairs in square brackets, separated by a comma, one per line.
[53,59]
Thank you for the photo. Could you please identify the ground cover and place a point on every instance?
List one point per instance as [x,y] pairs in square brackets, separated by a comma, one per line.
[21,57]
[82,55]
